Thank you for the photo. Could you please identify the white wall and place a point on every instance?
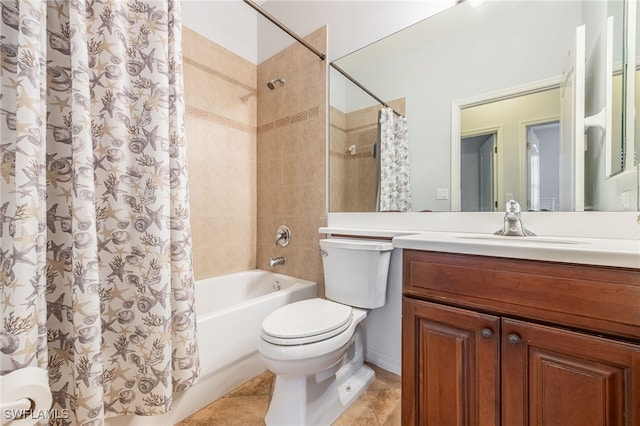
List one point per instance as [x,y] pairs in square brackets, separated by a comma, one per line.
[383,326]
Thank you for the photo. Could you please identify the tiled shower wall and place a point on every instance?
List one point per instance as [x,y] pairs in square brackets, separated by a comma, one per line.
[292,158]
[337,159]
[354,177]
[256,158]
[220,94]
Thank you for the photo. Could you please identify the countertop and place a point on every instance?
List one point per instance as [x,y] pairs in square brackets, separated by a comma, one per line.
[592,251]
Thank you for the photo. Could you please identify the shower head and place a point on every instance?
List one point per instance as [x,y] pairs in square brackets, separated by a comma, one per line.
[271,85]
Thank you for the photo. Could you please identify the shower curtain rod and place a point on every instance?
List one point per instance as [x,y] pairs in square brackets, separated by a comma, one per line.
[284,28]
[367,91]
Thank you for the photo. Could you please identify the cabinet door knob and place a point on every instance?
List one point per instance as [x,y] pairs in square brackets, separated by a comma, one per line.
[486,333]
[514,339]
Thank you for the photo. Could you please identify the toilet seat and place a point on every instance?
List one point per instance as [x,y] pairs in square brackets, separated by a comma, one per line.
[314,320]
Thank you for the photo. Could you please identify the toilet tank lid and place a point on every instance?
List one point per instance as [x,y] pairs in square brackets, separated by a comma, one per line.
[356,244]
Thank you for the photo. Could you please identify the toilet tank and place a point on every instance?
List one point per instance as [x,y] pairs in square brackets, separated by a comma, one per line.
[355,271]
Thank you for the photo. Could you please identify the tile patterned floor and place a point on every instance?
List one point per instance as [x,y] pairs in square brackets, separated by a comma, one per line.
[247,405]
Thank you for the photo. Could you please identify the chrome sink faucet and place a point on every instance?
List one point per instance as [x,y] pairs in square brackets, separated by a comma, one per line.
[513,226]
[280,260]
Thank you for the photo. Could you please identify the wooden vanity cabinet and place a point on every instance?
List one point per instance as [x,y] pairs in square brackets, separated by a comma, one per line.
[496,341]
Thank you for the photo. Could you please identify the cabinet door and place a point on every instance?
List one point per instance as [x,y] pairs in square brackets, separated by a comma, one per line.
[450,366]
[554,377]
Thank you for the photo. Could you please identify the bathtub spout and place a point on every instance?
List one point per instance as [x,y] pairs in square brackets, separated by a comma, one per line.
[281,260]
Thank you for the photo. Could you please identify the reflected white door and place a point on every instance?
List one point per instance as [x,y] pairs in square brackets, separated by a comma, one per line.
[487,171]
[543,162]
[477,173]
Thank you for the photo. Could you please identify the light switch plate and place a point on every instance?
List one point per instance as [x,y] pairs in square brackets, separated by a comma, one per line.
[442,193]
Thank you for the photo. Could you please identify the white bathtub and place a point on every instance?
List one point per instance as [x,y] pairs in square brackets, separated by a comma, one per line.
[229,311]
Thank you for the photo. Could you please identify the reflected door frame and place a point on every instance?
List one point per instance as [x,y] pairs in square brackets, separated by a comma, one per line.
[457,105]
[632,159]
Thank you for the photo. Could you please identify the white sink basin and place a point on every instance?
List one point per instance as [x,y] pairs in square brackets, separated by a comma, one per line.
[521,240]
[593,251]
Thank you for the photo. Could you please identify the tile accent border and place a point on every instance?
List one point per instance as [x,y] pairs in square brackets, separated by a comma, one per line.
[292,119]
[228,122]
[347,157]
[219,119]
[363,128]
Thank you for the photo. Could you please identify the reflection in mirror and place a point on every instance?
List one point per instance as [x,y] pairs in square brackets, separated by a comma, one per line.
[517,161]
[354,146]
[635,23]
[616,10]
[463,52]
[605,31]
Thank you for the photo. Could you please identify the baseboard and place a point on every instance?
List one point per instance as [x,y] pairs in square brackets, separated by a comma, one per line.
[383,361]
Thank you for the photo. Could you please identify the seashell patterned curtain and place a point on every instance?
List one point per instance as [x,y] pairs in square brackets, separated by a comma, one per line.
[95,256]
[395,183]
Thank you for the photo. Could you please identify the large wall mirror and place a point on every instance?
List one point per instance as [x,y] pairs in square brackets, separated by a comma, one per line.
[634,28]
[489,94]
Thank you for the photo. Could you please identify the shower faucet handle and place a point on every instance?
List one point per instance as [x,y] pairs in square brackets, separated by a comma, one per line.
[283,236]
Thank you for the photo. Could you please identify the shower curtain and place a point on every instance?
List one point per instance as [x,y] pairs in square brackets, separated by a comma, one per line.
[95,255]
[395,187]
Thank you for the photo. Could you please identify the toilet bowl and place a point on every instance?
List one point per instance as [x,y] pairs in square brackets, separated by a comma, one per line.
[318,380]
[315,347]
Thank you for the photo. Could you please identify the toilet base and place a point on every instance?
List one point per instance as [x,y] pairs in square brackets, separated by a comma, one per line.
[306,402]
[354,386]
[321,398]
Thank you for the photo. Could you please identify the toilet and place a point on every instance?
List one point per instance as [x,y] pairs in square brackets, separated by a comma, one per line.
[315,347]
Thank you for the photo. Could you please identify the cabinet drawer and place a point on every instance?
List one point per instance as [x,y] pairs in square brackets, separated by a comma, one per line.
[596,298]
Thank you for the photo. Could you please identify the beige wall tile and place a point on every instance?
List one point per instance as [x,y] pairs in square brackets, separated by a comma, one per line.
[212,72]
[220,93]
[206,262]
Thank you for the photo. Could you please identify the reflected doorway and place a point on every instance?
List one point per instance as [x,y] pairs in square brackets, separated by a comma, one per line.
[543,164]
[477,173]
